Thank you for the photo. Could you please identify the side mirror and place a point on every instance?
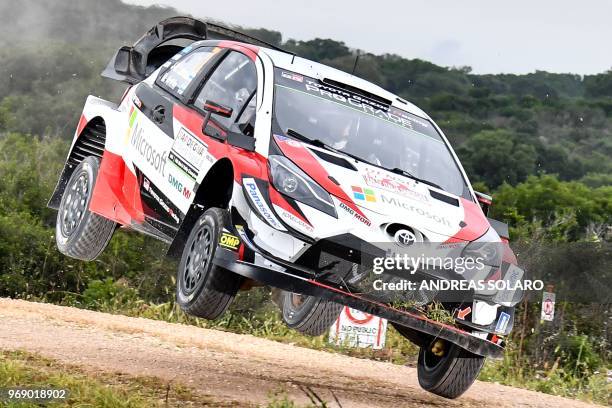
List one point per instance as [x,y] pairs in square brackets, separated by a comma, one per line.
[217,109]
[485,201]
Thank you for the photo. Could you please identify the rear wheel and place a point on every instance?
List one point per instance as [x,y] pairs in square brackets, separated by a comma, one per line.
[204,289]
[446,369]
[79,233]
[307,314]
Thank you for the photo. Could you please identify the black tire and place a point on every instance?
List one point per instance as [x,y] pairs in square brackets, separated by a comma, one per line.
[204,289]
[307,314]
[451,374]
[415,337]
[79,233]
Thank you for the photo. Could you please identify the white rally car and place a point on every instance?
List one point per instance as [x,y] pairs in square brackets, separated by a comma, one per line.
[261,167]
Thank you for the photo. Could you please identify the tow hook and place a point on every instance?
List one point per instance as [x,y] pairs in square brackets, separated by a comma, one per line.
[438,348]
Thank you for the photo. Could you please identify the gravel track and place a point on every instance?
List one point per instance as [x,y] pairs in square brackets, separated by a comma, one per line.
[241,370]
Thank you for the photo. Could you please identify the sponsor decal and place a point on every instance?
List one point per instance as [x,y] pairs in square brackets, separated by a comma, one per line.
[292,76]
[146,184]
[293,220]
[182,166]
[281,138]
[156,159]
[355,101]
[410,207]
[257,199]
[480,335]
[133,113]
[136,100]
[405,237]
[502,323]
[229,241]
[288,140]
[385,181]
[178,186]
[366,194]
[355,214]
[188,153]
[131,119]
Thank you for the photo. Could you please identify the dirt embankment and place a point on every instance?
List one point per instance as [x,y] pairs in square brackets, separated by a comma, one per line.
[227,367]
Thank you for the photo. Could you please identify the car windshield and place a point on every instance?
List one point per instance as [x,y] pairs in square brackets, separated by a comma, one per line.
[360,126]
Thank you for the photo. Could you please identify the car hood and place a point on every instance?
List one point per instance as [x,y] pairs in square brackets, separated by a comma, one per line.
[388,196]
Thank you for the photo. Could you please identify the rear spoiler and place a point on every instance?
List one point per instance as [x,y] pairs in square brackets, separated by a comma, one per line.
[135,63]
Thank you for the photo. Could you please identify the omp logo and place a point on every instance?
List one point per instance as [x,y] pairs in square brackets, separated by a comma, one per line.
[157,159]
[402,204]
[366,194]
[229,241]
[178,186]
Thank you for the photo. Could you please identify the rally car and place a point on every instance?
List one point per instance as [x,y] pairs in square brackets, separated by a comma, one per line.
[259,167]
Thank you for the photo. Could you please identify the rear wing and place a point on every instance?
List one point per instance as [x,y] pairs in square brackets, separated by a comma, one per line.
[135,63]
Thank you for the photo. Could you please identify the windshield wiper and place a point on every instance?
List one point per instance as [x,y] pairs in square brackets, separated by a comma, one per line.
[323,145]
[301,137]
[403,172]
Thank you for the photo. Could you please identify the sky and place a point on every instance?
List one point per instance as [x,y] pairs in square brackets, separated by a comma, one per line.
[516,36]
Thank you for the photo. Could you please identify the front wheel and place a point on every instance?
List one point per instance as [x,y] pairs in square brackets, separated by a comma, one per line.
[307,314]
[204,289]
[446,369]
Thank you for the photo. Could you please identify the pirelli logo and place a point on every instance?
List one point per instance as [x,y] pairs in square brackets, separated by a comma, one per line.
[229,241]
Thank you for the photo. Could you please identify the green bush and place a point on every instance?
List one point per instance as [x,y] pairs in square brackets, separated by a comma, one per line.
[109,295]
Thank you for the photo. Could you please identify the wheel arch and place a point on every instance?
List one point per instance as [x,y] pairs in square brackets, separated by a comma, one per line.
[220,181]
[89,141]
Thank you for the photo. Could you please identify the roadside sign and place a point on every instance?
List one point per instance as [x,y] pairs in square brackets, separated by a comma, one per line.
[548,306]
[354,328]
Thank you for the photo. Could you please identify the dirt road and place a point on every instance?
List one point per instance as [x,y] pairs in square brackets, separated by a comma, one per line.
[227,367]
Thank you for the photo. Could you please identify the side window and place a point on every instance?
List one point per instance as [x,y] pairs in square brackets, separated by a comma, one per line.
[233,84]
[246,121]
[180,75]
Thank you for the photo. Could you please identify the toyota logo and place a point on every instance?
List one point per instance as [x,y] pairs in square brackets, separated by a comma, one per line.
[405,237]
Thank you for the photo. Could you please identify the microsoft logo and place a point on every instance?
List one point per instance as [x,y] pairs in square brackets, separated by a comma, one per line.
[363,194]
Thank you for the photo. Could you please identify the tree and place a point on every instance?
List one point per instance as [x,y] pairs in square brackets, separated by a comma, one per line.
[495,157]
[564,209]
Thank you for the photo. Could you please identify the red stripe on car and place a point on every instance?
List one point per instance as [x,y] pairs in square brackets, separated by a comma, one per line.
[278,199]
[82,124]
[247,49]
[116,194]
[244,162]
[475,223]
[306,161]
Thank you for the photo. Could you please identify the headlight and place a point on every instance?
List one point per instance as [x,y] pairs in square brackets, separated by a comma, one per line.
[487,248]
[289,180]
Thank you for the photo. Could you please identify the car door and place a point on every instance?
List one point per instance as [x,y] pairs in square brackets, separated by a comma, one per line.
[152,134]
[233,85]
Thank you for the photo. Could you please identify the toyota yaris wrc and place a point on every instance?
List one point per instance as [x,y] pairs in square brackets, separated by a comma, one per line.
[257,166]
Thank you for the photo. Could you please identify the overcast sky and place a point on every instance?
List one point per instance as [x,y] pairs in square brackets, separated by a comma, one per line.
[516,36]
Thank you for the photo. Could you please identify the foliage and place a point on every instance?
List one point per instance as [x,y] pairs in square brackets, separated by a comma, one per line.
[563,211]
[18,369]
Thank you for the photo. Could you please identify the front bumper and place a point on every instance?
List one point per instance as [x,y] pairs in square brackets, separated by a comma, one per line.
[252,263]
